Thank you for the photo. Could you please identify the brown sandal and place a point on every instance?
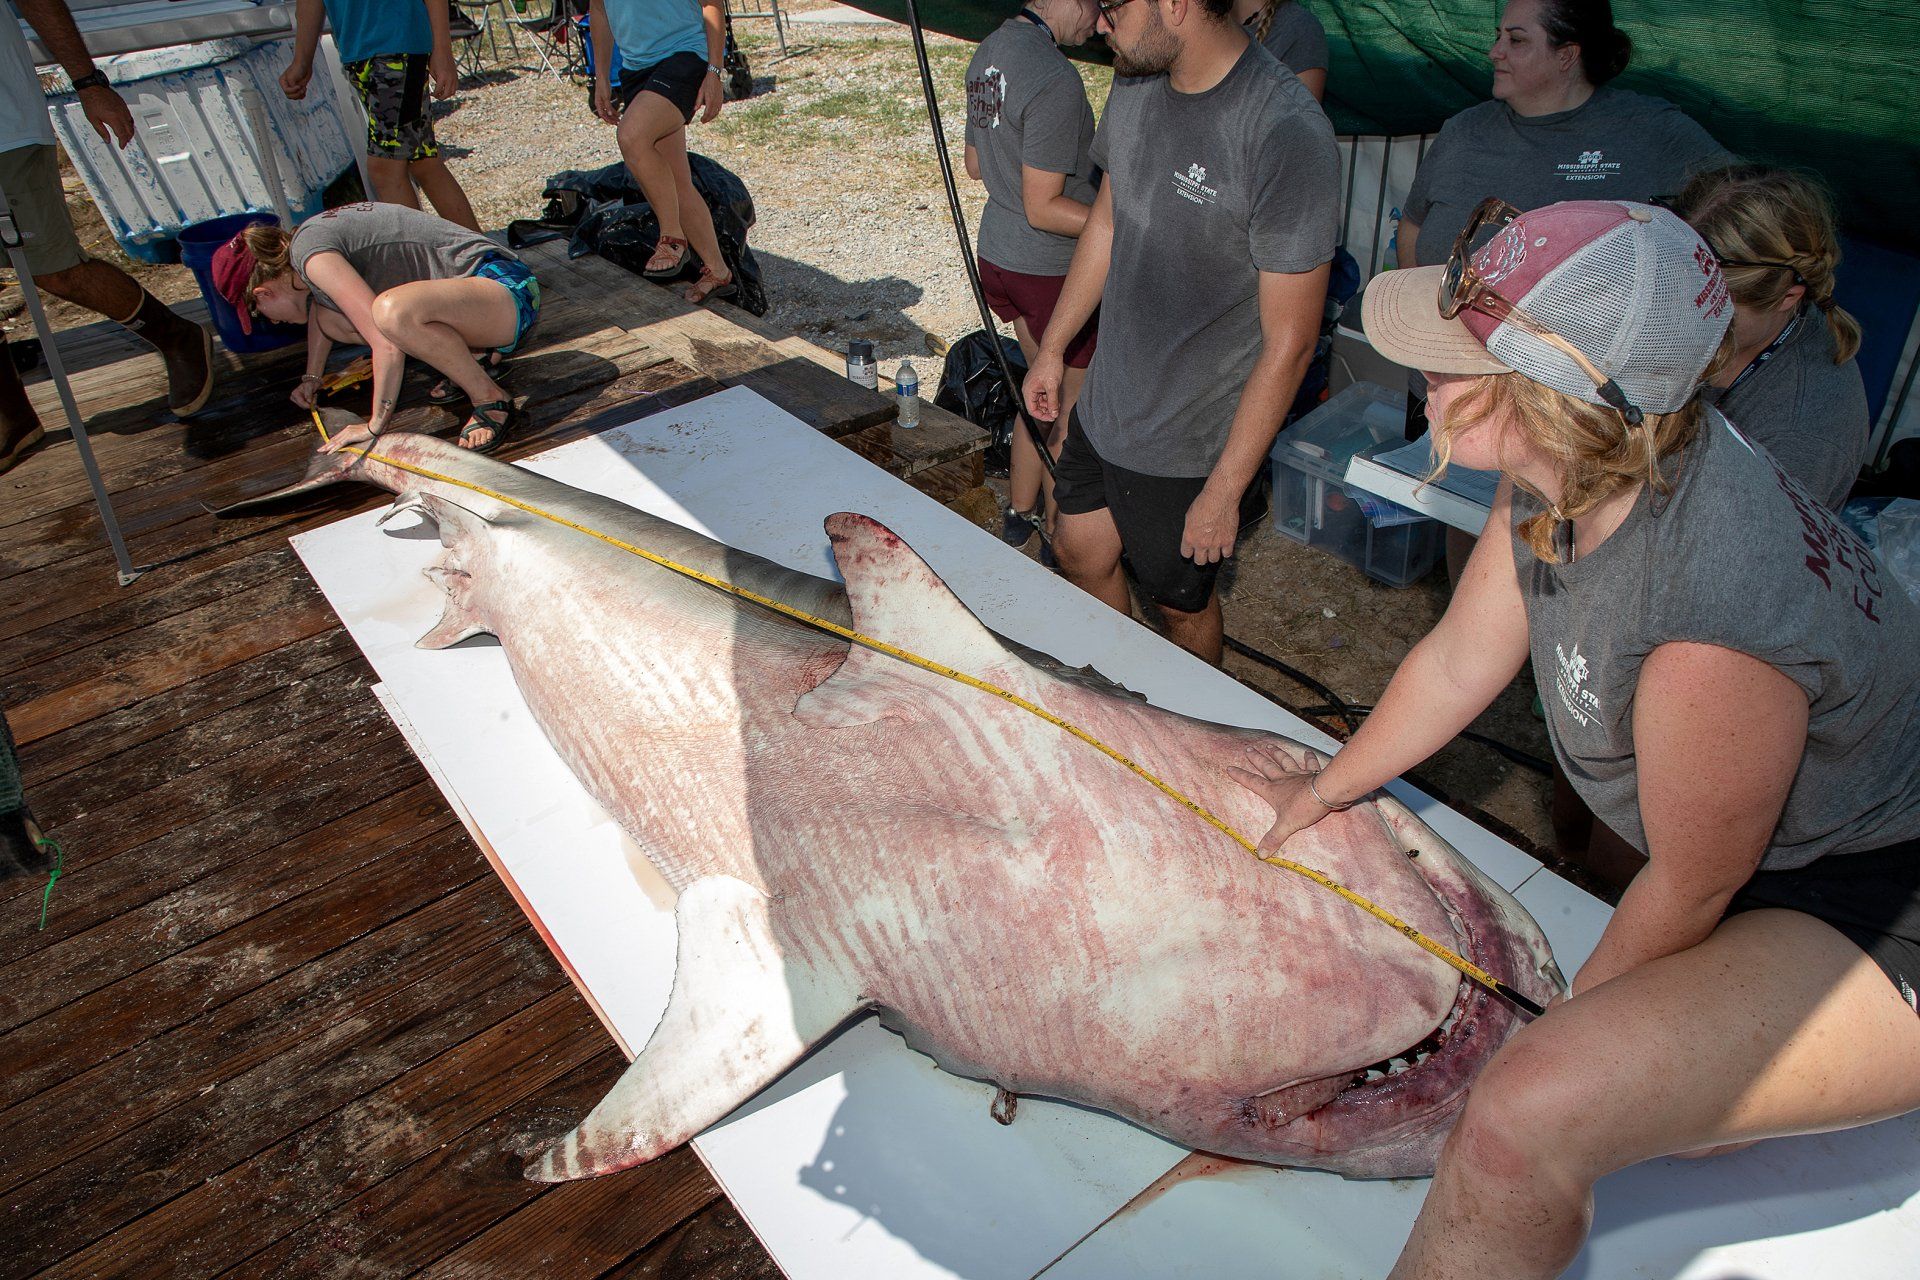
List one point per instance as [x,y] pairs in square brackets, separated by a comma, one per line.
[710,286]
[683,252]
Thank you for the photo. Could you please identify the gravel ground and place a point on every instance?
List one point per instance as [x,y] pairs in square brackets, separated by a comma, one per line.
[854,240]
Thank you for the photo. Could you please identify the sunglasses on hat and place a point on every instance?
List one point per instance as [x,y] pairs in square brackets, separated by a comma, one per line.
[1463,289]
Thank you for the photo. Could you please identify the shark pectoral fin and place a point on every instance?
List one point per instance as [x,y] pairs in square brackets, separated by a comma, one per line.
[740,1013]
[898,599]
[455,625]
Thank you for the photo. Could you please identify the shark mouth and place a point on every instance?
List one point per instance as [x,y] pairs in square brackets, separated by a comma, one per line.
[1387,1119]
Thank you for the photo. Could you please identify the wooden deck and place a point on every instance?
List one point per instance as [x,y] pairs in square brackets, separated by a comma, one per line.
[283,1018]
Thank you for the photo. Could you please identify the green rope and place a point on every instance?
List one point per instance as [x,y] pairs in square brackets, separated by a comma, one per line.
[59,859]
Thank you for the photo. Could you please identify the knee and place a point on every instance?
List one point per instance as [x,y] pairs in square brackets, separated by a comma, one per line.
[392,315]
[1079,559]
[1522,1124]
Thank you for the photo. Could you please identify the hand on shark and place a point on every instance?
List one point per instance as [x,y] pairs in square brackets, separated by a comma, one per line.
[1279,779]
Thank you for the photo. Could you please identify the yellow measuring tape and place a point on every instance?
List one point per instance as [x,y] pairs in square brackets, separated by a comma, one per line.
[1439,950]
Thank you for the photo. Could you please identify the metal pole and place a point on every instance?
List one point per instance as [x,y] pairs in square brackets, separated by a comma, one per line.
[10,238]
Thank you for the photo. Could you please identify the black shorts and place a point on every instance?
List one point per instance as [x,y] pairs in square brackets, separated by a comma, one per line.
[1873,898]
[677,79]
[1151,514]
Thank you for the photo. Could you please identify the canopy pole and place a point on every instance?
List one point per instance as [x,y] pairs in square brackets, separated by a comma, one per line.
[10,238]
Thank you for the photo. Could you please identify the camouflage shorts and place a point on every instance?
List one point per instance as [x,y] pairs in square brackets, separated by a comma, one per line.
[393,88]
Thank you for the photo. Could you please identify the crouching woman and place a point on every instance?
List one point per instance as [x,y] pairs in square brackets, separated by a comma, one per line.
[405,283]
[1731,683]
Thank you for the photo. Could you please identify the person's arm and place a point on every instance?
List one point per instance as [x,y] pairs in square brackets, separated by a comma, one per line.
[440,65]
[602,33]
[319,347]
[105,110]
[307,18]
[1048,207]
[1079,296]
[1291,306]
[713,14]
[1315,78]
[973,162]
[1406,243]
[1717,739]
[334,276]
[1449,678]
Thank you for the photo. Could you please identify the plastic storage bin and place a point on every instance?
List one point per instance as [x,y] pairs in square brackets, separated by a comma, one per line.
[1311,501]
[195,156]
[198,243]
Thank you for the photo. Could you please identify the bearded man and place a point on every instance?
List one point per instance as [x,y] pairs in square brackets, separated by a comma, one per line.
[1206,251]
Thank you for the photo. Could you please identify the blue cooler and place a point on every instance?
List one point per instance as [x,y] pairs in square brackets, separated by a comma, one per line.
[198,243]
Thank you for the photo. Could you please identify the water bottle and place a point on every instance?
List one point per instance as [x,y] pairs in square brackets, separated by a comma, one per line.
[906,390]
[860,365]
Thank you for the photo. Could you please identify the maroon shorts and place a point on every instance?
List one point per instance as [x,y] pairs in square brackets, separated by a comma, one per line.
[1015,294]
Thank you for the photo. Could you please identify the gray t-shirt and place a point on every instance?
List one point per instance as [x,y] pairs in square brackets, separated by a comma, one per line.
[1617,145]
[1026,105]
[1209,190]
[1810,413]
[1740,556]
[1296,37]
[390,244]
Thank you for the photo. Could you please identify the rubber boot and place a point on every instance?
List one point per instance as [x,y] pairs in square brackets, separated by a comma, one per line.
[20,427]
[185,346]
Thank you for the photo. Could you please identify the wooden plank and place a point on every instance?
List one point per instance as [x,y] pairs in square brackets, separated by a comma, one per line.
[360,744]
[303,818]
[455,1192]
[723,350]
[319,657]
[579,1230]
[84,962]
[425,1116]
[86,1199]
[282,712]
[109,1021]
[714,1244]
[79,1113]
[114,673]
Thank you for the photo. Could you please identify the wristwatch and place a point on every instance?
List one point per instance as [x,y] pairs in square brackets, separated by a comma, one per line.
[717,71]
[95,79]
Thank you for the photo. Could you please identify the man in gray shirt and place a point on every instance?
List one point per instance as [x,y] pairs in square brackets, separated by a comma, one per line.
[1207,251]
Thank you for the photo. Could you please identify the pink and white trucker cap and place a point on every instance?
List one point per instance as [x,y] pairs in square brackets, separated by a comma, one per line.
[1631,285]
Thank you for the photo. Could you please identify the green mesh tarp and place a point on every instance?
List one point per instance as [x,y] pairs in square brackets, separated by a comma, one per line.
[1831,86]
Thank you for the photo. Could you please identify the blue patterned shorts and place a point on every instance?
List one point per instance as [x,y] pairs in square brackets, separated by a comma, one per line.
[519,279]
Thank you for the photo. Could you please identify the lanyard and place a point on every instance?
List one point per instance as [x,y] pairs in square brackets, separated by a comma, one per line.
[1039,22]
[1779,341]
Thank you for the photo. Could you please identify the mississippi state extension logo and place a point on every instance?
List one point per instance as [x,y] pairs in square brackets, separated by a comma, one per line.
[1571,683]
[1193,185]
[1592,166]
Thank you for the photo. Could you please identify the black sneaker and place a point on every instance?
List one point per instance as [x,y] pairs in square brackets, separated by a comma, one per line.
[1017,526]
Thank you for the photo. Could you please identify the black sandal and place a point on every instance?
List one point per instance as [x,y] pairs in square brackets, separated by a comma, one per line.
[502,417]
[445,392]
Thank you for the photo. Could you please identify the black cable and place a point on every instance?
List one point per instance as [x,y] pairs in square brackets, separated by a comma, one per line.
[1034,433]
[1337,704]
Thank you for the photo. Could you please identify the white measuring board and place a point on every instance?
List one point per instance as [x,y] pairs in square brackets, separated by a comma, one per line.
[866,1160]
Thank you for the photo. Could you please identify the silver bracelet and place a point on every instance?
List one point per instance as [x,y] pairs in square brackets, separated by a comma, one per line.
[1313,786]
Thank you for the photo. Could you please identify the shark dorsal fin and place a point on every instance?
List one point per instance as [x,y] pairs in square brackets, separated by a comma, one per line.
[897,598]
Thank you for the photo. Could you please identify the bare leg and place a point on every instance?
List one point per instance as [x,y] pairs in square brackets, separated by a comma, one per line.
[1775,1025]
[1088,548]
[647,120]
[1023,464]
[1070,383]
[18,420]
[97,286]
[391,184]
[1201,634]
[695,218]
[443,191]
[442,322]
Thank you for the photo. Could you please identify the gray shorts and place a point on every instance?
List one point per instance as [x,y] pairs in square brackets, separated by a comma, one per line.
[31,178]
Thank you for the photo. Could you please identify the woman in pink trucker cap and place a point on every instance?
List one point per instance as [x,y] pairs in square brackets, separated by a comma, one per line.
[1730,684]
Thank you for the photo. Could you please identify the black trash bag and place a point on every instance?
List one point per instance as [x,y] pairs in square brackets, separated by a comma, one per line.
[971,386]
[603,211]
[739,81]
